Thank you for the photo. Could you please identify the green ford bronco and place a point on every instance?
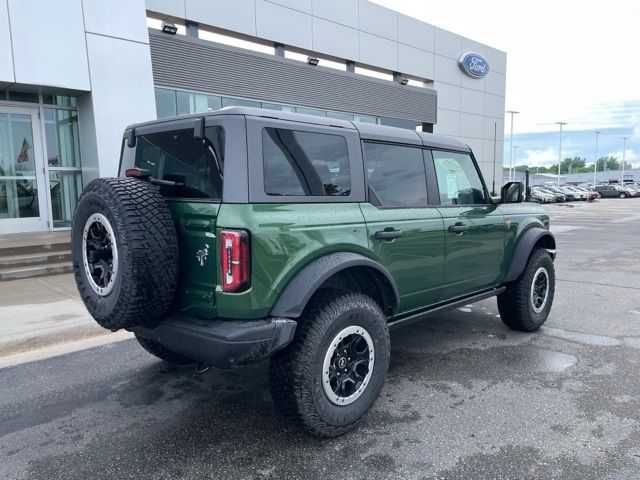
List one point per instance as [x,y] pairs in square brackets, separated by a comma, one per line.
[248,234]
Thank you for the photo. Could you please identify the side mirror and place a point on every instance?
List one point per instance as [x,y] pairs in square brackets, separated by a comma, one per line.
[512,192]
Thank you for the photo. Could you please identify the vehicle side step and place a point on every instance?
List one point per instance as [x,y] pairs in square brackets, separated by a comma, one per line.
[416,317]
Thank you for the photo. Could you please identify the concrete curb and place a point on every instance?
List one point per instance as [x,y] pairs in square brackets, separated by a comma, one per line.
[24,342]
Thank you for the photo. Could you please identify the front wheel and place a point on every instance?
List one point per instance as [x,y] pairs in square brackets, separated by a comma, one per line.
[332,373]
[526,303]
[622,195]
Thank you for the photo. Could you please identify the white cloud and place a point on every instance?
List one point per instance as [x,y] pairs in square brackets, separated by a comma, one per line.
[631,156]
[539,158]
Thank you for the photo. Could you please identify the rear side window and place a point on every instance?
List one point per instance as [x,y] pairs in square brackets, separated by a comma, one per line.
[396,175]
[196,165]
[458,180]
[305,163]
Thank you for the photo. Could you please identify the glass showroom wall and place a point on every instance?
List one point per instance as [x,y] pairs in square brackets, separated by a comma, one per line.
[171,102]
[26,172]
[63,157]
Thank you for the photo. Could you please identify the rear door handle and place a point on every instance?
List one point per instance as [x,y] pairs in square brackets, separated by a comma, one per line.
[458,228]
[388,234]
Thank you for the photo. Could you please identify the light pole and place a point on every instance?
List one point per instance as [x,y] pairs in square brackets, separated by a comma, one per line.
[560,149]
[512,112]
[624,151]
[595,161]
[515,148]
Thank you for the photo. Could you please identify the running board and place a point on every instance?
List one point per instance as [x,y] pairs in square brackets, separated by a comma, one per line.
[416,317]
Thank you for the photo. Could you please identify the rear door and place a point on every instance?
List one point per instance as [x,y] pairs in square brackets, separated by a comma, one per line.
[474,226]
[405,233]
[196,165]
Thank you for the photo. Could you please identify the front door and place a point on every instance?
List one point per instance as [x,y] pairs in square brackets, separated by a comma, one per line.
[473,227]
[23,200]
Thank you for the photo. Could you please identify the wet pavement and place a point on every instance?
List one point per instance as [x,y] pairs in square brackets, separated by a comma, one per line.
[39,312]
[465,396]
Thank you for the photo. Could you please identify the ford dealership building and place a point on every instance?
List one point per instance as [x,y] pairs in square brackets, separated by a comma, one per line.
[74,73]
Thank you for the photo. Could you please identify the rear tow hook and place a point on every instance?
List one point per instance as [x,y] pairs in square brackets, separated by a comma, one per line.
[202,368]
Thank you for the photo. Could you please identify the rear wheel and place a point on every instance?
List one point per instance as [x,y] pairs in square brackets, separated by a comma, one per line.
[526,303]
[332,373]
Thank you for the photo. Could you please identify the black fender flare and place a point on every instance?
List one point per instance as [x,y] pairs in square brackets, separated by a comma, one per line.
[306,282]
[523,250]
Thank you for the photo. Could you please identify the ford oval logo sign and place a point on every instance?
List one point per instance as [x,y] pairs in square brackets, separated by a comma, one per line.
[474,65]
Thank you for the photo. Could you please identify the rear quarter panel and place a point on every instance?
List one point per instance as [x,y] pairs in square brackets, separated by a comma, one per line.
[285,238]
[518,218]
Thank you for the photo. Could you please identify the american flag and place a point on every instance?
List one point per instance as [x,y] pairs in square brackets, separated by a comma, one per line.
[23,156]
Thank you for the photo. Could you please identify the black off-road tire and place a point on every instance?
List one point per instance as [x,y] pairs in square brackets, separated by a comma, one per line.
[147,250]
[295,374]
[515,304]
[156,349]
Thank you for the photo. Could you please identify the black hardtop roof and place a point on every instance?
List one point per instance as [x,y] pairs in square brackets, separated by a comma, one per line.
[367,131]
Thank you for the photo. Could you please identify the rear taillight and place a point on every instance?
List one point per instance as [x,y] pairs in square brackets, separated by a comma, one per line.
[234,260]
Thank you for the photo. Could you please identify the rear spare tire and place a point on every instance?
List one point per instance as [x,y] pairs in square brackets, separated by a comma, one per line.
[125,253]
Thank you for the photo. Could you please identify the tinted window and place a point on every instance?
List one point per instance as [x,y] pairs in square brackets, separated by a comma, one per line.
[458,179]
[396,175]
[175,155]
[305,163]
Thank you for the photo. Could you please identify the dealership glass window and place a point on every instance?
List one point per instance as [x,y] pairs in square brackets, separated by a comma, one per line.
[63,159]
[365,118]
[63,142]
[59,100]
[170,102]
[65,187]
[305,163]
[238,102]
[189,103]
[458,180]
[277,106]
[396,175]
[340,115]
[14,96]
[166,103]
[311,111]
[18,184]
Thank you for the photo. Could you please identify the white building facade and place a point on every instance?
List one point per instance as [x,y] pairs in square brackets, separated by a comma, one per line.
[75,73]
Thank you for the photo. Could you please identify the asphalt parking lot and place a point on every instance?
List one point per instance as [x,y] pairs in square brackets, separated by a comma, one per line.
[465,396]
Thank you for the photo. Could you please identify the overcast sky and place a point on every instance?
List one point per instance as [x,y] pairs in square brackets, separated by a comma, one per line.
[567,60]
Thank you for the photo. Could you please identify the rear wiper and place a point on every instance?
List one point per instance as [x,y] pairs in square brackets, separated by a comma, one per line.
[143,174]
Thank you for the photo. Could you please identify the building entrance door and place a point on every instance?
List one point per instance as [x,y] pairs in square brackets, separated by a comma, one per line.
[23,194]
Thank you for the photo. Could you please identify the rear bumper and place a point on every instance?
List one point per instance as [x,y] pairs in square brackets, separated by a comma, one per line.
[222,343]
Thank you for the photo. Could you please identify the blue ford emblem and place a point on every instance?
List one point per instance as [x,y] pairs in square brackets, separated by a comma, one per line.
[474,65]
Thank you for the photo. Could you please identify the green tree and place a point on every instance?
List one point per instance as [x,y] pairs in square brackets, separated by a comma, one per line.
[572,165]
[609,161]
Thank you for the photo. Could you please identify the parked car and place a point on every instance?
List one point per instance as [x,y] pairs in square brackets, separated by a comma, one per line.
[320,236]
[539,196]
[559,197]
[611,191]
[592,193]
[631,190]
[580,194]
[569,196]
